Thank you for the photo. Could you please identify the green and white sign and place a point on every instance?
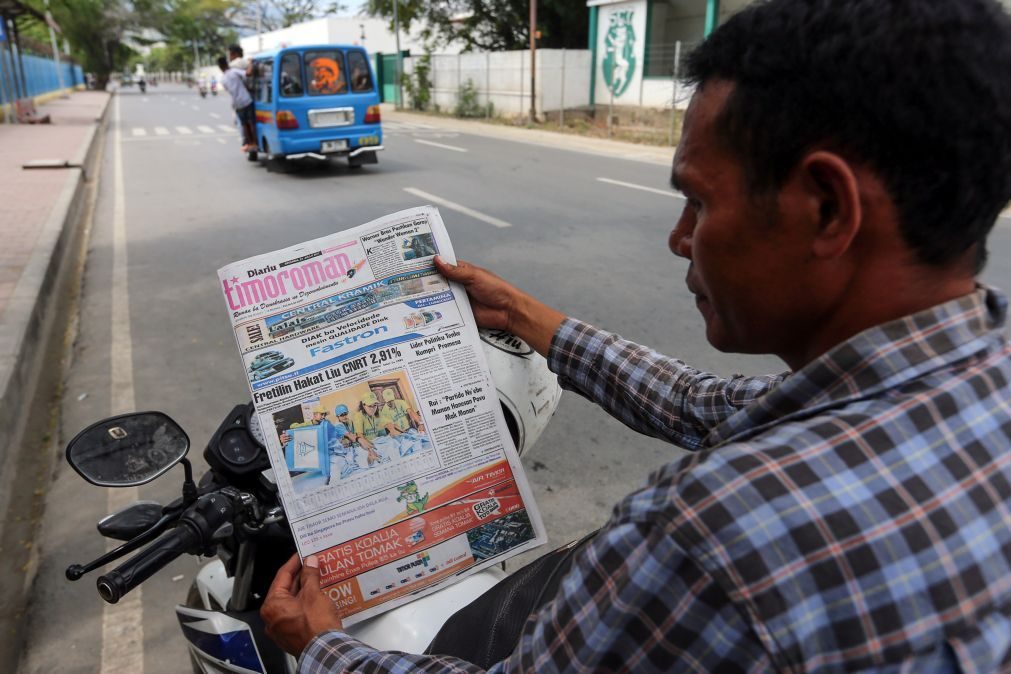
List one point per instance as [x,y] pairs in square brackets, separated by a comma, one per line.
[620,47]
[619,50]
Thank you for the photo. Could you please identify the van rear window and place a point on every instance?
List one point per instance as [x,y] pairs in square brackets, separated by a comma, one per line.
[361,78]
[324,69]
[291,75]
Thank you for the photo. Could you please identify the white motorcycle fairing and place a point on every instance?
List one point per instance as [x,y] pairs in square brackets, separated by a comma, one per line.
[221,642]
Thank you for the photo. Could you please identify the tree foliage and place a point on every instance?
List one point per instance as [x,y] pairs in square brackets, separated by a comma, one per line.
[491,25]
[275,14]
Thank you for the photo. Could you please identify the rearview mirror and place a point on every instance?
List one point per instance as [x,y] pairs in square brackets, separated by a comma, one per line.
[128,450]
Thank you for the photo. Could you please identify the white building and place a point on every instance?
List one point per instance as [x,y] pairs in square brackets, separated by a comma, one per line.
[371,33]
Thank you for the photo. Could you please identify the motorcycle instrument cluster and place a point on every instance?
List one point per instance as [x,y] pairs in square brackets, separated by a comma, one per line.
[237,447]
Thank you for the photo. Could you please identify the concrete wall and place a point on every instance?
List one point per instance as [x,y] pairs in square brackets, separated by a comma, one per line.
[503,79]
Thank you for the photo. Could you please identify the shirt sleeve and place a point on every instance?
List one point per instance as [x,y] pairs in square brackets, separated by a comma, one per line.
[632,602]
[647,391]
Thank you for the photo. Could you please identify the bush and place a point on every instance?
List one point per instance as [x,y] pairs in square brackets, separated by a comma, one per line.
[418,83]
[467,104]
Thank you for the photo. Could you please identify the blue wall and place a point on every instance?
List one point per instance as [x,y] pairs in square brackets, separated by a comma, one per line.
[40,75]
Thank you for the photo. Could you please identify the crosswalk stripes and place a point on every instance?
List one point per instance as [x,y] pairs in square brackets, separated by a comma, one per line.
[203,128]
[184,130]
[161,131]
[137,131]
[226,128]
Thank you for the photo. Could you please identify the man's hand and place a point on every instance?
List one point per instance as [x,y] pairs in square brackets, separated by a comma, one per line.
[296,610]
[502,306]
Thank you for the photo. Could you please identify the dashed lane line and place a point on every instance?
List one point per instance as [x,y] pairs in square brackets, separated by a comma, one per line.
[443,146]
[203,128]
[666,193]
[161,131]
[137,131]
[477,215]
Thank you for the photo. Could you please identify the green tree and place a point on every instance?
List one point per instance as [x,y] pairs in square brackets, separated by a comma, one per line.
[95,29]
[492,25]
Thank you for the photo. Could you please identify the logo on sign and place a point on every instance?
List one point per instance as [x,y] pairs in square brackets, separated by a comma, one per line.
[619,52]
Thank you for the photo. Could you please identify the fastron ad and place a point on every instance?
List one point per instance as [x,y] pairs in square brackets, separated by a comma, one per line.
[391,454]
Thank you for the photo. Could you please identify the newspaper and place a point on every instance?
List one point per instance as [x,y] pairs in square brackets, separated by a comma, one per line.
[388,445]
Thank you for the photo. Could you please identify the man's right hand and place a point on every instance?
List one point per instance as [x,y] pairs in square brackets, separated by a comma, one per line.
[502,306]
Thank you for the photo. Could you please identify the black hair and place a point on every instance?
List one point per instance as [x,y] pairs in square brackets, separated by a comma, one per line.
[917,90]
[223,63]
[235,49]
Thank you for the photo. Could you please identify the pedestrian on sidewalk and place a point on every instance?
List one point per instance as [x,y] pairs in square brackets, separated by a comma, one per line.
[242,102]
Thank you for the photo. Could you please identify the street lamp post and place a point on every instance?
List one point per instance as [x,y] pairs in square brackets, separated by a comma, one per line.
[56,49]
[533,60]
[400,58]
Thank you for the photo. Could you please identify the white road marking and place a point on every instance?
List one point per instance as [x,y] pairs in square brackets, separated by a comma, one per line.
[477,215]
[160,131]
[195,108]
[122,623]
[222,141]
[138,131]
[184,130]
[203,128]
[226,128]
[445,147]
[144,99]
[666,193]
[215,115]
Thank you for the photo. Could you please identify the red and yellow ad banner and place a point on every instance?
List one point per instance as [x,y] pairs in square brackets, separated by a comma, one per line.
[423,531]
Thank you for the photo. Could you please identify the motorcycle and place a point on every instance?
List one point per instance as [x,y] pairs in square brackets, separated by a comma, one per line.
[234,515]
[214,88]
[143,86]
[202,89]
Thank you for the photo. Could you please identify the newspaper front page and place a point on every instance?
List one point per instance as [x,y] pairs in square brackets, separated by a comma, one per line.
[390,452]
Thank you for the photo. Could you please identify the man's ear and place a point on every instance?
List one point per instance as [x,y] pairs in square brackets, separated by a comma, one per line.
[833,192]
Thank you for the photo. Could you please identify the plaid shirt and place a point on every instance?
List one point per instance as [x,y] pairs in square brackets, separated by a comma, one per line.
[852,516]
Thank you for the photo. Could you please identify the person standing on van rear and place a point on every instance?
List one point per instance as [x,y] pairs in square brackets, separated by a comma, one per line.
[242,102]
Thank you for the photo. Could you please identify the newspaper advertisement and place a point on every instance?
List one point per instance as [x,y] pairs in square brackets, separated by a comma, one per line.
[388,445]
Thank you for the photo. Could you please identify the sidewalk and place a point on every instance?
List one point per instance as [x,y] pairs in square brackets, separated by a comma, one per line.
[41,232]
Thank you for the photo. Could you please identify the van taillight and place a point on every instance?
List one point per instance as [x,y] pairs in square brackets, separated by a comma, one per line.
[286,120]
[372,115]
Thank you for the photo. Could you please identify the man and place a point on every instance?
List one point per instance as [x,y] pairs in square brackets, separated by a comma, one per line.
[397,416]
[366,424]
[842,163]
[242,103]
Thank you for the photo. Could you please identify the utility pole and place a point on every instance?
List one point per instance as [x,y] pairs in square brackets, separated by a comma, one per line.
[56,49]
[400,58]
[533,60]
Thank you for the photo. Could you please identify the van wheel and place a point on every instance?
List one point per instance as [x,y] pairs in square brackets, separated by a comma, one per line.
[274,163]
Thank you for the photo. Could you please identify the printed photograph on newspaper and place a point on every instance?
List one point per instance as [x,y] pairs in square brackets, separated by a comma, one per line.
[388,444]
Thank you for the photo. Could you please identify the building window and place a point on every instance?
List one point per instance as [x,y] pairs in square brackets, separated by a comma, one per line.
[672,21]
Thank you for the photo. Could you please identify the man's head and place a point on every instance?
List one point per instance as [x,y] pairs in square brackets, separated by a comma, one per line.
[341,412]
[234,51]
[388,395]
[918,90]
[370,402]
[825,159]
[223,63]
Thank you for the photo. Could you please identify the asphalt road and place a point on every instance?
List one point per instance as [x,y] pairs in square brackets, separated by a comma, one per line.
[189,202]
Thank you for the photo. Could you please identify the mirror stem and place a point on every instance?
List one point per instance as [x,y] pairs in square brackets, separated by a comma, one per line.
[189,486]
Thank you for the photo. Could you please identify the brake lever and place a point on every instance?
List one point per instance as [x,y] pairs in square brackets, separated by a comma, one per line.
[77,571]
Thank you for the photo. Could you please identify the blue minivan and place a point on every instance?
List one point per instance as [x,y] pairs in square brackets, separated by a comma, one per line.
[317,101]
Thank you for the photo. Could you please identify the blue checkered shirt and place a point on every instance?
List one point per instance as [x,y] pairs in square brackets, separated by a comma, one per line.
[854,516]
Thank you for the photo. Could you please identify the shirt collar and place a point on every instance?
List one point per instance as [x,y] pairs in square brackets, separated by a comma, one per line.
[879,358]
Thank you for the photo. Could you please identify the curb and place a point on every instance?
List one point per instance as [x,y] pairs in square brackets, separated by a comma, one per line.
[34,317]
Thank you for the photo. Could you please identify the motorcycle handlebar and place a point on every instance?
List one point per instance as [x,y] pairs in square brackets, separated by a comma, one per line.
[113,585]
[197,526]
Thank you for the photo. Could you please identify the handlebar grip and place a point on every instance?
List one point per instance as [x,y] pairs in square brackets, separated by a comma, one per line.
[180,540]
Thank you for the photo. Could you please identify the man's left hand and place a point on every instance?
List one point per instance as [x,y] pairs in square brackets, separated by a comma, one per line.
[296,610]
